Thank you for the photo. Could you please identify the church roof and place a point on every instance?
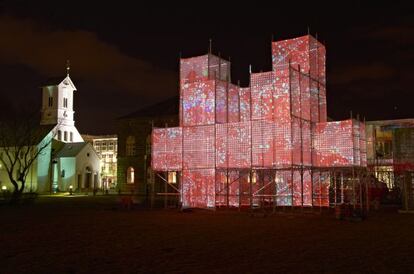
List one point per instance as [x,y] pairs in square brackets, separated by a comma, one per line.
[168,107]
[70,149]
[55,81]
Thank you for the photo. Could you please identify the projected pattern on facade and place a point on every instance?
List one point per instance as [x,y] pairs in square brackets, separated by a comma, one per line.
[241,145]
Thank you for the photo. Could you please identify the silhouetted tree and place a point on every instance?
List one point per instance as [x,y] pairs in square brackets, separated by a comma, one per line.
[22,140]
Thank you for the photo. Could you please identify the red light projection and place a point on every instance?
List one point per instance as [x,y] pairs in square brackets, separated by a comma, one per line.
[263,144]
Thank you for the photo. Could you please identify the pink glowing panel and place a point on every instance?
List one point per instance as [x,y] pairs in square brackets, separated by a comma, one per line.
[304,51]
[198,147]
[221,100]
[245,105]
[284,190]
[221,188]
[262,143]
[194,69]
[296,142]
[314,101]
[167,148]
[294,51]
[297,188]
[218,68]
[305,97]
[233,148]
[204,67]
[282,144]
[198,188]
[306,143]
[321,182]
[262,89]
[322,109]
[158,148]
[302,191]
[307,188]
[295,93]
[321,64]
[334,144]
[233,104]
[198,100]
[281,99]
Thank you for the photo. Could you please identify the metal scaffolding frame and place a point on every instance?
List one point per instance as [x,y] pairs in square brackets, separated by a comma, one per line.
[272,148]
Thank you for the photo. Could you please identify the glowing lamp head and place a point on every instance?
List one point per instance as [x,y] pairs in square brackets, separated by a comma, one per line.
[70,187]
[4,188]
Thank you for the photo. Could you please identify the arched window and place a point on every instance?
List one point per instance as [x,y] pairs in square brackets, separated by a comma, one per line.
[130,175]
[65,136]
[130,146]
[59,135]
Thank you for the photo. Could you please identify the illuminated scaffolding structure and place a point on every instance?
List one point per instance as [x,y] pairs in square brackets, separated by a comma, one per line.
[269,144]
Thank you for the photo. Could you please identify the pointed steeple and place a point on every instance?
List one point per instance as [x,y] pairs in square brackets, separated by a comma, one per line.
[67,67]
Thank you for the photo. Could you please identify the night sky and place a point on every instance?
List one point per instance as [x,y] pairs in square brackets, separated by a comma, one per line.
[126,57]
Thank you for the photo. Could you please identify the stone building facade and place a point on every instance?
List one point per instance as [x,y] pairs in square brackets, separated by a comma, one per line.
[134,146]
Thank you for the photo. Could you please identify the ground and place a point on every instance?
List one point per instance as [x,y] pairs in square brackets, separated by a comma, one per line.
[93,234]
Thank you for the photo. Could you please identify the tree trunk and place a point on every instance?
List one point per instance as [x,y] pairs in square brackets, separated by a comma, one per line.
[15,197]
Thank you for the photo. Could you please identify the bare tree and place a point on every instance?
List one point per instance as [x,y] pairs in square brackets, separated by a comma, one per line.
[22,140]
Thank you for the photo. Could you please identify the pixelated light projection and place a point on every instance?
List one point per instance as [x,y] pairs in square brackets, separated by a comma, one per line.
[276,124]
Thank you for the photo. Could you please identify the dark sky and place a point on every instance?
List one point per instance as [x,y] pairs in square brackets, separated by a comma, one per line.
[124,57]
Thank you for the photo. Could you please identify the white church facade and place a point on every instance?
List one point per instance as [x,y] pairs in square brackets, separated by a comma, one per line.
[57,109]
[67,162]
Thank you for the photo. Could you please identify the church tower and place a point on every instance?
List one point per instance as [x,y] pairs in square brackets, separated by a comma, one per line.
[57,108]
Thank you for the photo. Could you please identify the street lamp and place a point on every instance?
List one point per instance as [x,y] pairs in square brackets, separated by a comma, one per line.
[70,190]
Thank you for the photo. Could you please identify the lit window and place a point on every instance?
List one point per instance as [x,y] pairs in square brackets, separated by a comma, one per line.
[130,175]
[172,177]
[130,146]
[255,176]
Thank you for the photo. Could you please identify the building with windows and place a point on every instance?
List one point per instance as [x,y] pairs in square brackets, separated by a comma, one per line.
[134,146]
[106,146]
[65,161]
[390,149]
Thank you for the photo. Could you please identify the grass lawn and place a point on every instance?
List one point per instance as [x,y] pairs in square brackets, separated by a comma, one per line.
[94,235]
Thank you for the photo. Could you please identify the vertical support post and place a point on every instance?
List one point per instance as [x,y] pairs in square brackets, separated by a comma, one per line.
[360,191]
[353,188]
[320,192]
[240,191]
[311,176]
[251,191]
[292,186]
[342,187]
[238,86]
[335,199]
[367,193]
[166,190]
[228,189]
[152,189]
[275,192]
[152,181]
